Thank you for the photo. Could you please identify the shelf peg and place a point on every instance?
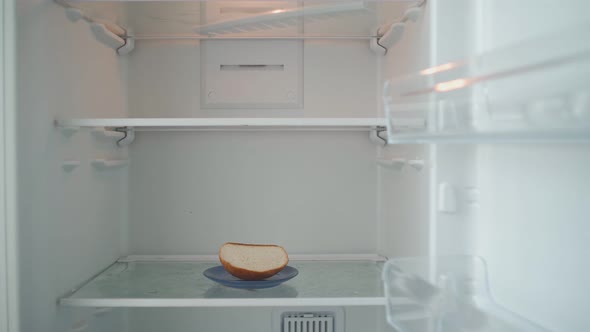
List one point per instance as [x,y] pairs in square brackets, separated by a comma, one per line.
[376,137]
[393,163]
[417,164]
[128,138]
[70,165]
[74,14]
[128,47]
[103,164]
[104,35]
[69,131]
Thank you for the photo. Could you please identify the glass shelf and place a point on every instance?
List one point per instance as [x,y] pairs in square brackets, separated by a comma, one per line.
[216,19]
[446,294]
[174,283]
[535,91]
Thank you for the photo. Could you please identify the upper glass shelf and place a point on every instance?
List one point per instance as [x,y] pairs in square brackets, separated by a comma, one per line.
[176,283]
[233,19]
[535,91]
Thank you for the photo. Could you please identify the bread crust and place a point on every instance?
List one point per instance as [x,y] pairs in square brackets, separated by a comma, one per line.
[246,274]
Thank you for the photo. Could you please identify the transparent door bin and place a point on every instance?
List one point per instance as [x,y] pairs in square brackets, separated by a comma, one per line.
[445,294]
[535,90]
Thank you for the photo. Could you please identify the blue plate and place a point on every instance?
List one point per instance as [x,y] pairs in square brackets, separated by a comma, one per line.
[220,275]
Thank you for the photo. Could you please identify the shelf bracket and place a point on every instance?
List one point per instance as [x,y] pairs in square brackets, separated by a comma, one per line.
[109,34]
[390,34]
[376,136]
[128,138]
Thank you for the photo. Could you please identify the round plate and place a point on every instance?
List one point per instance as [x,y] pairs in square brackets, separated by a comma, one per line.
[220,275]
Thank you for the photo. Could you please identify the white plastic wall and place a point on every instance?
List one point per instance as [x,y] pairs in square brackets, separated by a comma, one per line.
[70,224]
[192,191]
[8,188]
[311,192]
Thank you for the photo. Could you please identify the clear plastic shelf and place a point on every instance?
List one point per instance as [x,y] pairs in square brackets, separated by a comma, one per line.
[445,294]
[533,91]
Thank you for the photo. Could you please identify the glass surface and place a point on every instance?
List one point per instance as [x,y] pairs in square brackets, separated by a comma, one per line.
[185,280]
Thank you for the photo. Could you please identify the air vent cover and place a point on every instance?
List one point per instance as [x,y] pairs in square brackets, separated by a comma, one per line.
[307,320]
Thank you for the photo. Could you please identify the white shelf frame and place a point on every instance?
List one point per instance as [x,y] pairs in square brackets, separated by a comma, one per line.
[219,124]
[224,302]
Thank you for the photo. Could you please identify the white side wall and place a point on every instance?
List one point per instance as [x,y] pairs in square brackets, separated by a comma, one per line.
[192,191]
[70,223]
[9,276]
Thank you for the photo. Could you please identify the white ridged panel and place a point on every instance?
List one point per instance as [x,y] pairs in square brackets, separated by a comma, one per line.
[308,323]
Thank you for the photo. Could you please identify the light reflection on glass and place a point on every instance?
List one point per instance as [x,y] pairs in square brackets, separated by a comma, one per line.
[451,85]
[438,69]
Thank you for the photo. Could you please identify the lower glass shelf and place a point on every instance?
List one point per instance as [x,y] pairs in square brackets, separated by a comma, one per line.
[341,281]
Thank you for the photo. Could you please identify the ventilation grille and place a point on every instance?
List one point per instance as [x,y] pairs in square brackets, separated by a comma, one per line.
[308,322]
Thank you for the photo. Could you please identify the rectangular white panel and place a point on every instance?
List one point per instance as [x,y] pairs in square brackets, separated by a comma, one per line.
[252,74]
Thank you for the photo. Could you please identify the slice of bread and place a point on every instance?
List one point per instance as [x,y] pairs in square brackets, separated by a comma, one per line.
[253,261]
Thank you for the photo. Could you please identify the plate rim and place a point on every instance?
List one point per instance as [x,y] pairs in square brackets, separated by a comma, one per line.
[252,283]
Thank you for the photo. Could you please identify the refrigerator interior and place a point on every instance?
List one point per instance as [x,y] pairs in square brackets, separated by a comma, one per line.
[84,202]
